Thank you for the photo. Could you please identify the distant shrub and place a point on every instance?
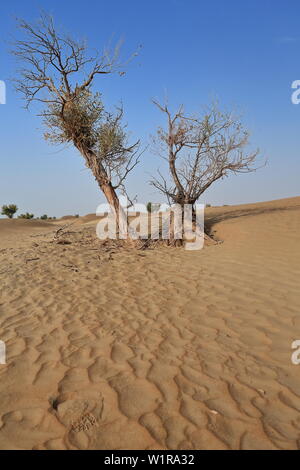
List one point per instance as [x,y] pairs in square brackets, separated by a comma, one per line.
[76,215]
[208,205]
[26,216]
[44,217]
[153,207]
[9,210]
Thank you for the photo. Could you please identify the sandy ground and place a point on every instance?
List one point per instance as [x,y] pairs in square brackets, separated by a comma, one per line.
[154,349]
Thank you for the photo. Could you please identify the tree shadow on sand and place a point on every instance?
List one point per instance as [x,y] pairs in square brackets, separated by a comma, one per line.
[213,219]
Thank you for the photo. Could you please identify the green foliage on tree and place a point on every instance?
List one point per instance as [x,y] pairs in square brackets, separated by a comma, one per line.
[9,210]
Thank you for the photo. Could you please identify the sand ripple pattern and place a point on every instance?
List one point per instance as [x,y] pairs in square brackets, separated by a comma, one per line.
[160,349]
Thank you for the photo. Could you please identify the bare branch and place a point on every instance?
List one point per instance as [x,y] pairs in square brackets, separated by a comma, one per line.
[201,150]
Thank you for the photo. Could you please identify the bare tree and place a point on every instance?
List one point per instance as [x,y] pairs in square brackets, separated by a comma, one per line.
[58,73]
[200,151]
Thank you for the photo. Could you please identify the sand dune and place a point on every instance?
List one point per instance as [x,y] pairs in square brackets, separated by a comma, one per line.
[158,349]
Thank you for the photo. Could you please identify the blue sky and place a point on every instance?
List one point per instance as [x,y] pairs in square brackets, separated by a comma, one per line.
[244,53]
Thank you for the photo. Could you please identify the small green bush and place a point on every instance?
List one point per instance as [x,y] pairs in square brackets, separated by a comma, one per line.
[26,216]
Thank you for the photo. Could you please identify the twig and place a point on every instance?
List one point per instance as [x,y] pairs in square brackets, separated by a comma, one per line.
[59,232]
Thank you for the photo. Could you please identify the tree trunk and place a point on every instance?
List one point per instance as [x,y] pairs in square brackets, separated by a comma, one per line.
[108,190]
[175,229]
[119,213]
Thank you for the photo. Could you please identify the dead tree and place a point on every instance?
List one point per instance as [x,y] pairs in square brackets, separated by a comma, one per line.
[200,151]
[59,73]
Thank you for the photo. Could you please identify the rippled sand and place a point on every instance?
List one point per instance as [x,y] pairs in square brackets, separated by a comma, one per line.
[113,348]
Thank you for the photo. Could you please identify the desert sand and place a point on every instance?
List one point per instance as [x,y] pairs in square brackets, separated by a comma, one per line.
[161,348]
